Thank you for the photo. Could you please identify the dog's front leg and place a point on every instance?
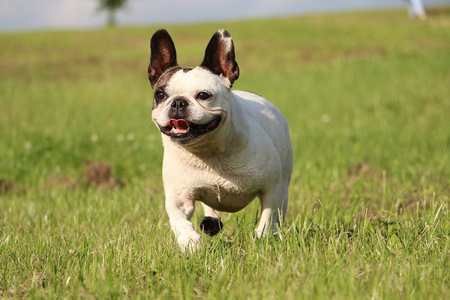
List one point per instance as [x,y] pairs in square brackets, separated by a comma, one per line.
[180,210]
[273,209]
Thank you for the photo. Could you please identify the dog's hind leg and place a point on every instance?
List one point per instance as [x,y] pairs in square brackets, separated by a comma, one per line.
[211,224]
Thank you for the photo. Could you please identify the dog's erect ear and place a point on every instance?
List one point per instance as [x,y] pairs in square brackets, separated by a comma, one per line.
[219,56]
[163,55]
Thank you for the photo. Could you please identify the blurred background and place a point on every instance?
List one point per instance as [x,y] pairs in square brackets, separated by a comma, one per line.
[31,15]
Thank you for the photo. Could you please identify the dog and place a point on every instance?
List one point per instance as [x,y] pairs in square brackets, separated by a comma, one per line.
[221,147]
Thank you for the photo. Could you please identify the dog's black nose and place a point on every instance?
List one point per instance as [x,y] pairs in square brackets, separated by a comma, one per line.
[178,106]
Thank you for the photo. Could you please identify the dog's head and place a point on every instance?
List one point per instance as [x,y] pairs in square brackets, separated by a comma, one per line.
[191,103]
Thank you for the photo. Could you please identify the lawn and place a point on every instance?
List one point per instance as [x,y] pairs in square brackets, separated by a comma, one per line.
[367,98]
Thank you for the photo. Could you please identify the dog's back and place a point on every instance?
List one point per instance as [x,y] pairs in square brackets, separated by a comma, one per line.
[260,112]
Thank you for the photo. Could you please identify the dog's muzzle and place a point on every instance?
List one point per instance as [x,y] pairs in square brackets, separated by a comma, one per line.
[180,129]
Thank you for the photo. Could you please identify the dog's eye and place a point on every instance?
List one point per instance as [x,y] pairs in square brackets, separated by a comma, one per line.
[160,96]
[203,95]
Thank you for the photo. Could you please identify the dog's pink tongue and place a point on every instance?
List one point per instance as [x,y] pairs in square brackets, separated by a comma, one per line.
[179,124]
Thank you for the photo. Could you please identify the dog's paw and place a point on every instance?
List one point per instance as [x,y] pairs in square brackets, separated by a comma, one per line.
[263,233]
[189,242]
[211,226]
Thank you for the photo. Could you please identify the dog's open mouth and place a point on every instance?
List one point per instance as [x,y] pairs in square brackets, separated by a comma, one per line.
[182,129]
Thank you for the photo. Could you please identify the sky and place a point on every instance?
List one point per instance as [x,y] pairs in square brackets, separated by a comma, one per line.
[25,15]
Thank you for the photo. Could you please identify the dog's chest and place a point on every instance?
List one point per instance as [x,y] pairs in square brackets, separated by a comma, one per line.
[230,195]
[229,191]
[225,183]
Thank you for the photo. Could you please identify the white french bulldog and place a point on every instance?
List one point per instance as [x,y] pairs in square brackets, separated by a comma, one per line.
[221,147]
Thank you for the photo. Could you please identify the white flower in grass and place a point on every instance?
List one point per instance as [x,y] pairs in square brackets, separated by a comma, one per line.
[120,138]
[130,136]
[154,137]
[94,137]
[28,145]
[326,118]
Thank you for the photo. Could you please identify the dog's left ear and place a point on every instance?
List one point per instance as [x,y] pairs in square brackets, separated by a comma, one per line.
[220,58]
[163,55]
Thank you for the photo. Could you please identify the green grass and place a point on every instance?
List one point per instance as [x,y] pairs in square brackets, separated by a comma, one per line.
[367,97]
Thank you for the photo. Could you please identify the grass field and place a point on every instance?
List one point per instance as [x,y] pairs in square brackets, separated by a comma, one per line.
[367,97]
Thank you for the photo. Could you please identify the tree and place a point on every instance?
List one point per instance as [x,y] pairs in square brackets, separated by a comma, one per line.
[111,6]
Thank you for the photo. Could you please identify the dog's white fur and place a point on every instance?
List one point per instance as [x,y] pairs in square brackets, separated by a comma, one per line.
[248,155]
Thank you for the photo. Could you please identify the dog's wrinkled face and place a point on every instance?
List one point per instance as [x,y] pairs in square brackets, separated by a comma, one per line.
[189,103]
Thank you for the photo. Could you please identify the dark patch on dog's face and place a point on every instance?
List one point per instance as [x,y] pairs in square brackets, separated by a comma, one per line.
[164,80]
[166,76]
[162,83]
